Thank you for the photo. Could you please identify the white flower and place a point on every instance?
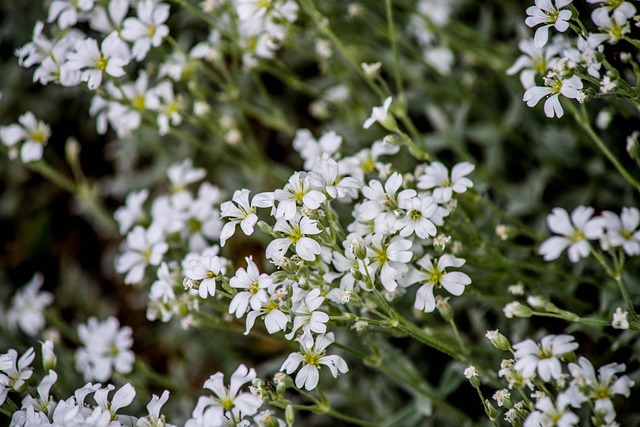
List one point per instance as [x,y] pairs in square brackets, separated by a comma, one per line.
[44,402]
[154,419]
[144,247]
[550,414]
[620,320]
[27,306]
[294,232]
[543,357]
[436,177]
[382,203]
[573,233]
[548,14]
[554,86]
[389,259]
[326,177]
[436,276]
[622,230]
[379,114]
[419,210]
[106,347]
[470,372]
[128,215]
[275,319]
[308,317]
[204,270]
[297,192]
[110,19]
[68,12]
[241,212]
[34,135]
[147,29]
[93,61]
[603,387]
[313,151]
[121,398]
[613,28]
[619,8]
[254,286]
[311,358]
[14,371]
[163,100]
[226,400]
[535,61]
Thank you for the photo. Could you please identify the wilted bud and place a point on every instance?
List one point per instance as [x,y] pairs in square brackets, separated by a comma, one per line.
[498,340]
[471,373]
[490,410]
[444,308]
[516,309]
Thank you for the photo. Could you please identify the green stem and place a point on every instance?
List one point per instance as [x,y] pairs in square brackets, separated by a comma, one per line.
[583,120]
[394,47]
[617,276]
[463,348]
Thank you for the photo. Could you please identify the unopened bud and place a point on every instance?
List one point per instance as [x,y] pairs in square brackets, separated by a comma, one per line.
[289,415]
[516,309]
[49,359]
[357,274]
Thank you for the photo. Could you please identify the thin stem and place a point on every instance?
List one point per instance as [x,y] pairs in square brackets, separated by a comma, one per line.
[583,120]
[394,47]
[617,276]
[463,348]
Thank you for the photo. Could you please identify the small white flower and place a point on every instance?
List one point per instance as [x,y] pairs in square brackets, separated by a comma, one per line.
[436,177]
[622,231]
[154,419]
[296,193]
[311,358]
[147,29]
[240,211]
[436,276]
[389,259]
[620,320]
[144,247]
[294,232]
[380,115]
[418,211]
[93,61]
[573,233]
[253,285]
[34,135]
[27,307]
[106,348]
[326,177]
[128,215]
[204,270]
[14,371]
[470,372]
[554,87]
[550,414]
[543,357]
[68,12]
[534,62]
[549,15]
[308,317]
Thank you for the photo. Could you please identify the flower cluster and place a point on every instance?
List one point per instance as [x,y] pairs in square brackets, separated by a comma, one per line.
[565,64]
[539,367]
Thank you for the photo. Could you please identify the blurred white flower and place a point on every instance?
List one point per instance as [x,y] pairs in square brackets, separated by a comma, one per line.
[27,306]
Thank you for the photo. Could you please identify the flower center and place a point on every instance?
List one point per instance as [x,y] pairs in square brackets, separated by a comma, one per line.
[194,225]
[435,276]
[312,358]
[254,287]
[577,236]
[101,63]
[151,30]
[138,102]
[415,215]
[296,234]
[552,16]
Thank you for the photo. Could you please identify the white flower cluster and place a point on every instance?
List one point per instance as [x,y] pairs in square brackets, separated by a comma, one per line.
[575,231]
[40,409]
[117,38]
[565,64]
[540,367]
[106,347]
[26,311]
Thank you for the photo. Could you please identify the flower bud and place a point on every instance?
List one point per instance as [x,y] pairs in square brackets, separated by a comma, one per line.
[359,249]
[49,359]
[516,309]
[289,415]
[357,274]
